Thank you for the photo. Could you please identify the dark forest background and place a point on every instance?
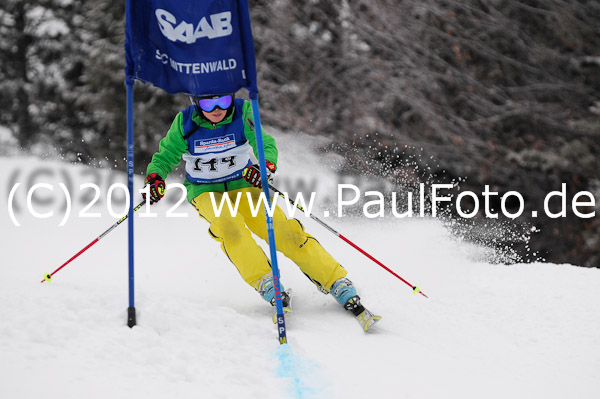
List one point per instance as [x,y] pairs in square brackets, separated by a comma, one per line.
[498,92]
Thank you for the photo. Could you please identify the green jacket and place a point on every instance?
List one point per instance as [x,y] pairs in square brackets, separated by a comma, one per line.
[173,146]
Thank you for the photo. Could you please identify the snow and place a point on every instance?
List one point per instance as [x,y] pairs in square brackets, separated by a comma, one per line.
[8,143]
[487,330]
[46,22]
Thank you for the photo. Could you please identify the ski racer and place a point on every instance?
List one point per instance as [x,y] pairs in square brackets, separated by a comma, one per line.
[215,138]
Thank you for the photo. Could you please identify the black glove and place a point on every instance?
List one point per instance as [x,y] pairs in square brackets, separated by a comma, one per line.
[157,187]
[252,173]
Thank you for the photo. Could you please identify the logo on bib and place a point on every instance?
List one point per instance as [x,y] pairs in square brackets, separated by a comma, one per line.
[215,144]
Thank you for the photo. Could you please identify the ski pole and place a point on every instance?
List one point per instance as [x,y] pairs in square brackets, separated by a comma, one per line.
[415,288]
[48,276]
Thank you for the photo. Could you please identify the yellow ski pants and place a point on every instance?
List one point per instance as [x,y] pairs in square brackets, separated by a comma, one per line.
[247,256]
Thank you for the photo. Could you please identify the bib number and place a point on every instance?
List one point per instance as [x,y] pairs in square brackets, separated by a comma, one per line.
[214,163]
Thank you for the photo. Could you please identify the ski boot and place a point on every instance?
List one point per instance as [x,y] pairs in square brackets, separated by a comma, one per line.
[266,289]
[344,292]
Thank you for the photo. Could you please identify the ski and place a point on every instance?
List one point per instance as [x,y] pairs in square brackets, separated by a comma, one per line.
[286,301]
[365,318]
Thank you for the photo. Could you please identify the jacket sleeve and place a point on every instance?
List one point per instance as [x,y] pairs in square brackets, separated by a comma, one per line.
[170,150]
[271,152]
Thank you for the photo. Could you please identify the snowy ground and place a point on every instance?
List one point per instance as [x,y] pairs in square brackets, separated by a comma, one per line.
[487,331]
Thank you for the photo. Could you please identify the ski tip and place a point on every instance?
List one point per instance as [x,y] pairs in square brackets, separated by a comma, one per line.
[371,322]
[367,320]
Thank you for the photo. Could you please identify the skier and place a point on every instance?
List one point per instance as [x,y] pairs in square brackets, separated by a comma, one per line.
[215,137]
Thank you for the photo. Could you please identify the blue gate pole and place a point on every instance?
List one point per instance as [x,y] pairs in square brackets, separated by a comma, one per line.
[131,321]
[270,230]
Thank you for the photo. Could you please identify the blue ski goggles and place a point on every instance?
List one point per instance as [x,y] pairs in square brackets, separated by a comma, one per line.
[209,104]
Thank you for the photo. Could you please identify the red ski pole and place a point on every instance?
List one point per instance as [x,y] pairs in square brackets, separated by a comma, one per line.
[415,288]
[48,276]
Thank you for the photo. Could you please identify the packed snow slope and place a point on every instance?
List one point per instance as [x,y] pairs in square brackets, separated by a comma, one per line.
[486,331]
